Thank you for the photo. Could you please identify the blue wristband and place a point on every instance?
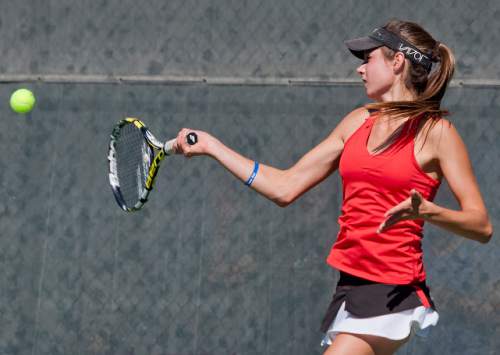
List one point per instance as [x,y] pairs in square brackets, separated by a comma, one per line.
[254,174]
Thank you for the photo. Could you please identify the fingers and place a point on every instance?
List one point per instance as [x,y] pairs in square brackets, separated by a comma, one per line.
[178,145]
[416,199]
[403,206]
[393,219]
[408,209]
[413,202]
[183,146]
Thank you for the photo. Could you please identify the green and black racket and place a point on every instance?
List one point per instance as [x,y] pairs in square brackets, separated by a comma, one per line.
[134,159]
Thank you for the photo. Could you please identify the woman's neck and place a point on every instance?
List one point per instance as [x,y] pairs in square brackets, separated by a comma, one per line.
[399,92]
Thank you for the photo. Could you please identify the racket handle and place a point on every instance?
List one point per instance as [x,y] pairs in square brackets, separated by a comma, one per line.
[168,147]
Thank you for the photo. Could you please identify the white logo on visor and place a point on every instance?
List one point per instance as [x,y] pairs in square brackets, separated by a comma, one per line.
[412,52]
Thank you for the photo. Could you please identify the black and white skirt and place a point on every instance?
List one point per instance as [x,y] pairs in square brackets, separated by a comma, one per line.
[361,306]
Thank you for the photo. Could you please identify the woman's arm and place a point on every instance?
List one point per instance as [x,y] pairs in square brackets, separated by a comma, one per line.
[472,220]
[281,186]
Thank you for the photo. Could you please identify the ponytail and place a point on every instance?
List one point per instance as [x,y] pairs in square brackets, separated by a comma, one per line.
[441,76]
[429,87]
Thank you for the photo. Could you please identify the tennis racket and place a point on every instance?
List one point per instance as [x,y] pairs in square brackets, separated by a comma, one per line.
[134,157]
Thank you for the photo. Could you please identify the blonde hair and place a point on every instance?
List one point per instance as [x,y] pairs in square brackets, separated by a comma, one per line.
[429,87]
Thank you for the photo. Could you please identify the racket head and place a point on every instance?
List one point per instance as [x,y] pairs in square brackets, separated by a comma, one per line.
[132,163]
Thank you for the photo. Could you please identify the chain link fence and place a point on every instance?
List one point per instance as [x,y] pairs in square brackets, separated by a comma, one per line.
[282,38]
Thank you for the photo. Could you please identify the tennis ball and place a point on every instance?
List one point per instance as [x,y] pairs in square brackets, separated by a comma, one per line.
[22,101]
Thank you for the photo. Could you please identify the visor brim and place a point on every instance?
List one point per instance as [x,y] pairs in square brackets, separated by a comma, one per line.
[359,46]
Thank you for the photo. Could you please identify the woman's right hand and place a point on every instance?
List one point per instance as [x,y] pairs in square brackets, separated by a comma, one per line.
[202,147]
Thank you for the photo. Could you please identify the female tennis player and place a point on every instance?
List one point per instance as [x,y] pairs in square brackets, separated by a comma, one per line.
[392,155]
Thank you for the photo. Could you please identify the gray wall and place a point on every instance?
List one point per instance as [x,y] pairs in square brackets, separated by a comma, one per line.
[209,267]
[229,38]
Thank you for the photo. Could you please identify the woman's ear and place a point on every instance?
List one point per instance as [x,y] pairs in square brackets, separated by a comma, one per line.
[399,62]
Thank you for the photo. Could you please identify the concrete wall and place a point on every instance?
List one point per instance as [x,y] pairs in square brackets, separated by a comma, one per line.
[281,38]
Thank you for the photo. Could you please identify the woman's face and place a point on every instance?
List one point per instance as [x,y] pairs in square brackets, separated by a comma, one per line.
[377,73]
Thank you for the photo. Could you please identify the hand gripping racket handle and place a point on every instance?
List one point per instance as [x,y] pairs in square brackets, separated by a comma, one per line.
[191,138]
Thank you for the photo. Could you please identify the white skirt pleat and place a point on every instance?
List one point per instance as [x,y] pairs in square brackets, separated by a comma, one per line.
[395,326]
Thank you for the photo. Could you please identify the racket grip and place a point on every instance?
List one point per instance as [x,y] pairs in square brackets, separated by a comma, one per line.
[168,147]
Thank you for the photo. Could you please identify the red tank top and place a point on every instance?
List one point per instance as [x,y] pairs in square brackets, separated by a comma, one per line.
[373,184]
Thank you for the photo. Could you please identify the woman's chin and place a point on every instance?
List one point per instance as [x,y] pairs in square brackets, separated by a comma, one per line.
[373,96]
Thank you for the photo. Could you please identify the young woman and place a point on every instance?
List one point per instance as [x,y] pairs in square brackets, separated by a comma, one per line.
[392,156]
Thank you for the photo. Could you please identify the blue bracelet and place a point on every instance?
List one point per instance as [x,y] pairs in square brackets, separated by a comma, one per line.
[254,174]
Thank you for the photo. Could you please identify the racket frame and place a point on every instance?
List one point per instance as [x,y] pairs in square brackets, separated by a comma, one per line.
[154,161]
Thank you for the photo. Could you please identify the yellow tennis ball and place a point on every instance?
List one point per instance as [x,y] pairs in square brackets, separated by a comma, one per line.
[22,101]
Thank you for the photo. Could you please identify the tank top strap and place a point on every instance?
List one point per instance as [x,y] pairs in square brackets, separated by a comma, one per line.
[371,118]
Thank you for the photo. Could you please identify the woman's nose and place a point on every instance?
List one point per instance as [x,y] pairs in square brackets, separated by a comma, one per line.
[361,69]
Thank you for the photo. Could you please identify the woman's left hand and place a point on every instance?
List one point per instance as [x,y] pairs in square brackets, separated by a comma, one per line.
[411,208]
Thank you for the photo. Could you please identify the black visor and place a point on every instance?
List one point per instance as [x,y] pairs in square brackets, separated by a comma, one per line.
[382,37]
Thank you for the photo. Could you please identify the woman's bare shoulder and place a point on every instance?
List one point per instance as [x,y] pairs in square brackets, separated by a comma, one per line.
[351,122]
[441,133]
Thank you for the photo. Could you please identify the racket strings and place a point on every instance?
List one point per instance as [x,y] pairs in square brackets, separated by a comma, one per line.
[133,162]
